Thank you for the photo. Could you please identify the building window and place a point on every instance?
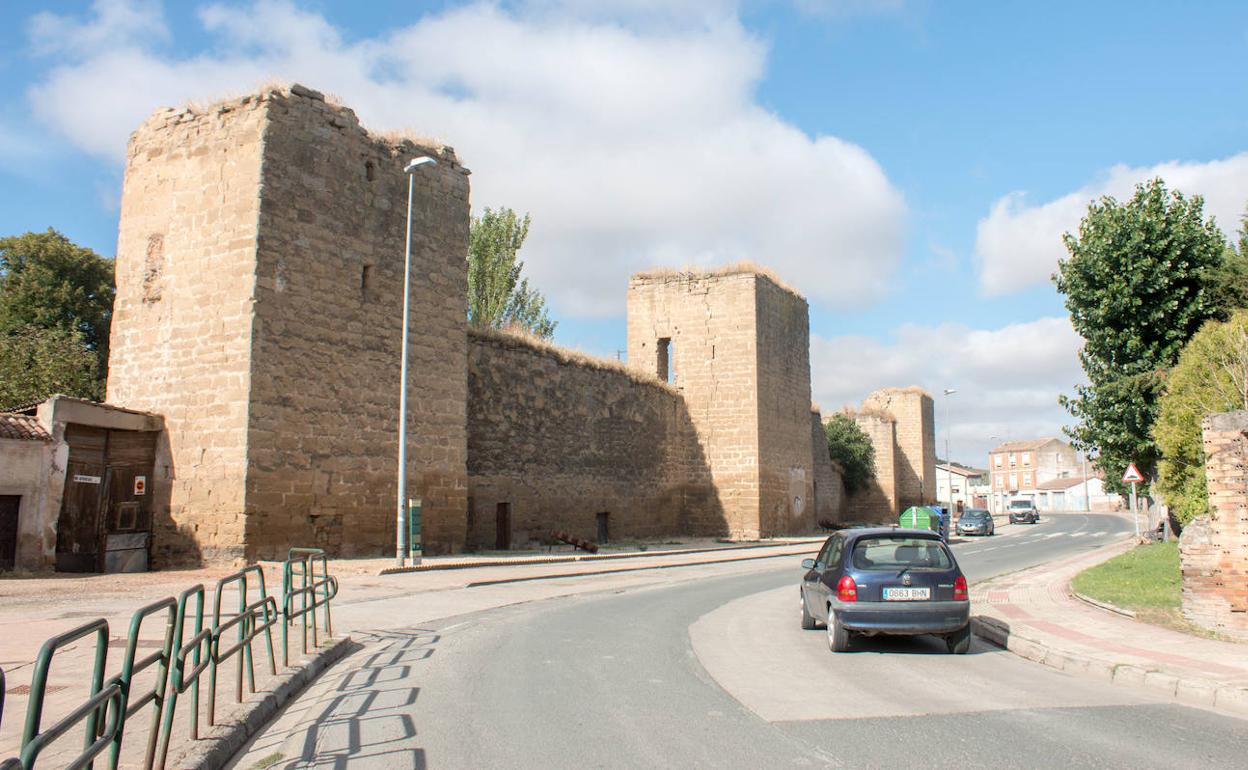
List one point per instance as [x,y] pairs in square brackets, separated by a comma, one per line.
[1013,481]
[1027,479]
[1013,459]
[1026,458]
[996,460]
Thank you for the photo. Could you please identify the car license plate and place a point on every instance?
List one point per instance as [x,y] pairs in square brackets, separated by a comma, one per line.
[906,594]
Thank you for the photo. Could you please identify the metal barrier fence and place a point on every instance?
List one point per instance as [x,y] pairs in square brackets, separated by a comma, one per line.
[178,665]
[307,593]
[102,699]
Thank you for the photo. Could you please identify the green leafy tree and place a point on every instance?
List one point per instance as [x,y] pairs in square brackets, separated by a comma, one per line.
[36,363]
[56,305]
[1229,284]
[850,446]
[1137,286]
[1211,376]
[498,297]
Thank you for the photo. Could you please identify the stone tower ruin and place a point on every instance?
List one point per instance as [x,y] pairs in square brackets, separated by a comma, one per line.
[259,280]
[736,344]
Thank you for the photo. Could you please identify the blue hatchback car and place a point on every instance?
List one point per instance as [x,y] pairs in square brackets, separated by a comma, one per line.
[886,581]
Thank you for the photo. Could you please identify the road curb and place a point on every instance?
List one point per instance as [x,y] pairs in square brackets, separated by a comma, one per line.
[1187,690]
[218,747]
[557,575]
[429,567]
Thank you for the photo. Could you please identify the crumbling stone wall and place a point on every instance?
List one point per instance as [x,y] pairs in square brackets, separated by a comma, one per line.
[915,467]
[1214,550]
[561,438]
[259,272]
[738,349]
[877,502]
[181,331]
[785,464]
[829,485]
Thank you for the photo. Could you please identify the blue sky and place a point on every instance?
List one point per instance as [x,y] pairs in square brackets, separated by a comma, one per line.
[909,166]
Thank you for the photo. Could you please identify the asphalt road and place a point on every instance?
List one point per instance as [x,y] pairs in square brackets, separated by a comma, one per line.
[715,672]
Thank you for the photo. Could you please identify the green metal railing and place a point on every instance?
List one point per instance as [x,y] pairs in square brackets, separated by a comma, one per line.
[107,699]
[129,668]
[300,581]
[199,649]
[187,650]
[247,630]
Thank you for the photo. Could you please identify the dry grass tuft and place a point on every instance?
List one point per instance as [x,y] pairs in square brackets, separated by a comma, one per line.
[744,267]
[867,411]
[569,356]
[409,136]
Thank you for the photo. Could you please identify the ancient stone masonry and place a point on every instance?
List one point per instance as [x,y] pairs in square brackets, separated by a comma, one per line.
[259,287]
[901,425]
[259,266]
[736,345]
[589,447]
[1214,550]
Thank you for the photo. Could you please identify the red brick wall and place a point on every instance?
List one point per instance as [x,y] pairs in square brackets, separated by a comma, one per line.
[1214,550]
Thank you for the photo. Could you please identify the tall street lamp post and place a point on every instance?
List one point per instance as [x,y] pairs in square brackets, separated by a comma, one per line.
[948,460]
[401,521]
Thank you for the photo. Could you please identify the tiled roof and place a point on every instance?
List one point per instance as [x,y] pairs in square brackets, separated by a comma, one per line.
[22,427]
[1066,483]
[1014,446]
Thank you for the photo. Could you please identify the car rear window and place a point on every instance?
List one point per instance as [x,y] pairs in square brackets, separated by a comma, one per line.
[975,515]
[884,552]
[1021,504]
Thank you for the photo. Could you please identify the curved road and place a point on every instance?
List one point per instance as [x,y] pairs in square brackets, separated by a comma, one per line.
[715,672]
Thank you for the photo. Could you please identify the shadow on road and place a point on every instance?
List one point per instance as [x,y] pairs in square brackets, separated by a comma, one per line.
[906,645]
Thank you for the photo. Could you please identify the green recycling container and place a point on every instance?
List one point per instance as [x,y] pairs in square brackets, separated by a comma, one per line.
[920,517]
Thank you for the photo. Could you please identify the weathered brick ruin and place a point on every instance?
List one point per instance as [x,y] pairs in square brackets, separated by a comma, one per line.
[1214,550]
[901,425]
[259,268]
[259,273]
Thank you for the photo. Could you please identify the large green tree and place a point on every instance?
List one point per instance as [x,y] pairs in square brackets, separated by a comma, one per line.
[1211,376]
[850,446]
[498,296]
[56,305]
[1138,286]
[36,363]
[1229,285]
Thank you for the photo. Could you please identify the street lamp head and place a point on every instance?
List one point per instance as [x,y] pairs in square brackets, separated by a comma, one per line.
[950,391]
[423,160]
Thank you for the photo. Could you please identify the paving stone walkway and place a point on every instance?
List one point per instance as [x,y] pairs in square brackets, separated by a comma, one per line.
[1038,617]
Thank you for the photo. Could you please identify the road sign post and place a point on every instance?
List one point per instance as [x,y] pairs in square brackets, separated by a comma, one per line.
[1133,476]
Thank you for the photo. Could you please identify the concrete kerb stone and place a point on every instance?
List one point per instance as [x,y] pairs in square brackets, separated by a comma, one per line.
[1192,691]
[218,747]
[524,562]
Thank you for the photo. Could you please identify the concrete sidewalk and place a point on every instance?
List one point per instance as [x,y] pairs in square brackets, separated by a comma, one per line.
[34,609]
[1034,614]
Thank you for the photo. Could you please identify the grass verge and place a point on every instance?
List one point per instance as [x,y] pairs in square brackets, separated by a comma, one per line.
[1146,578]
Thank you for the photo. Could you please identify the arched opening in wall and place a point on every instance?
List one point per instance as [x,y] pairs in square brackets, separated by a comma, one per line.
[370,170]
[366,280]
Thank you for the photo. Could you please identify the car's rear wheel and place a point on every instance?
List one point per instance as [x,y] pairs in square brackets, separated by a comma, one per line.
[808,620]
[959,642]
[838,635]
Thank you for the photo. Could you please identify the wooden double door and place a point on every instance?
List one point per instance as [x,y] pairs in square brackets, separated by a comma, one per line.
[106,492]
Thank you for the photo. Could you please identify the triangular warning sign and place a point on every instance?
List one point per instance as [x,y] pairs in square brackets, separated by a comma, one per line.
[1132,475]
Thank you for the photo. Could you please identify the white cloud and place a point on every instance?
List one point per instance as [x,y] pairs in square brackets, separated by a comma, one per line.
[631,145]
[1008,379]
[114,23]
[1019,243]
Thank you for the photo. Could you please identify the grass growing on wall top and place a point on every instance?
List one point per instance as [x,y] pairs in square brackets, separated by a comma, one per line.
[1142,579]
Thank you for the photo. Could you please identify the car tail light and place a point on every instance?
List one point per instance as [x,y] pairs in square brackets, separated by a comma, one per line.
[960,594]
[847,589]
